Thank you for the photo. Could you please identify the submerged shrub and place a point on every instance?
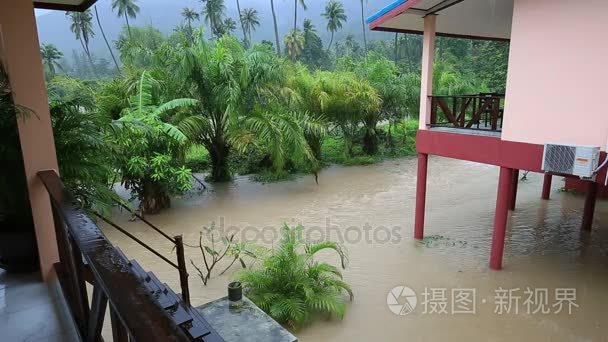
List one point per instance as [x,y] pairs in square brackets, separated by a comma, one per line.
[292,287]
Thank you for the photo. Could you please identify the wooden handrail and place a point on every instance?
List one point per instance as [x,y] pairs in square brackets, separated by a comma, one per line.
[79,239]
[481,112]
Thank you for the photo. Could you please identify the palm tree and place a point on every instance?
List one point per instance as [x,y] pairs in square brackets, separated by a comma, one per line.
[50,56]
[190,15]
[276,28]
[238,7]
[294,43]
[309,27]
[295,17]
[228,26]
[82,27]
[292,285]
[126,8]
[334,13]
[225,77]
[214,15]
[250,20]
[363,24]
[157,146]
[106,40]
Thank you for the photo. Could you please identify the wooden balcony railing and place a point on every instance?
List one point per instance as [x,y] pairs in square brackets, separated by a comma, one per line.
[481,112]
[141,307]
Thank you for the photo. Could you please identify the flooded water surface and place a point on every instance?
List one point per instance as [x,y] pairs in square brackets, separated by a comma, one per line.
[370,209]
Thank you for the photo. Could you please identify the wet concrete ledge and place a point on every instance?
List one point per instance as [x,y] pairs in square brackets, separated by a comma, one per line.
[248,323]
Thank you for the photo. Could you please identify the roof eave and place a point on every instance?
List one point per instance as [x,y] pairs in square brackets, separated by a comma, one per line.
[85,5]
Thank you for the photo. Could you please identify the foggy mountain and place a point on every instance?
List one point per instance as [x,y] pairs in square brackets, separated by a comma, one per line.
[54,27]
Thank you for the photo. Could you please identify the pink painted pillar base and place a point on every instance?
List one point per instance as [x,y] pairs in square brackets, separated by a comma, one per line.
[513,192]
[590,199]
[500,219]
[421,196]
[547,186]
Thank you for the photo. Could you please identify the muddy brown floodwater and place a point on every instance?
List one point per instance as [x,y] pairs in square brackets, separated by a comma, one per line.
[366,206]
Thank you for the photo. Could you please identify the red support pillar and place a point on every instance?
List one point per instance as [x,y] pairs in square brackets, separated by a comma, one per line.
[547,186]
[513,192]
[590,199]
[505,181]
[421,196]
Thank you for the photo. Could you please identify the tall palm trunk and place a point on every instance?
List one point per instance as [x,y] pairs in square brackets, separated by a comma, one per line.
[106,40]
[219,152]
[238,7]
[128,26]
[363,24]
[276,28]
[295,16]
[331,41]
[408,52]
[396,52]
[190,32]
[85,47]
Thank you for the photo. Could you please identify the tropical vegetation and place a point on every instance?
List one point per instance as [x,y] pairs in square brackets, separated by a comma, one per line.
[292,286]
[202,100]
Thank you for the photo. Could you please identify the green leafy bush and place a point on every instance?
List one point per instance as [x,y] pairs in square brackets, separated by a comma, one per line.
[150,151]
[197,158]
[292,286]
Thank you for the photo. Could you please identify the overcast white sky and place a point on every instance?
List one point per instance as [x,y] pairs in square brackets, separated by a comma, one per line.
[40,12]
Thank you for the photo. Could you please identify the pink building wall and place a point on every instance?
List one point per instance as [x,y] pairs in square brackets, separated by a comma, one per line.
[557,84]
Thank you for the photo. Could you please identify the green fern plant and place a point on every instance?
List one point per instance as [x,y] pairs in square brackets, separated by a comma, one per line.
[292,287]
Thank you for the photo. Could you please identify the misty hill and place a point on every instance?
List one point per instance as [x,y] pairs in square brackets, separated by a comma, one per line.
[54,27]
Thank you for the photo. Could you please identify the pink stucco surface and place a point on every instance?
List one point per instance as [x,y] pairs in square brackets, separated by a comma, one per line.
[557,84]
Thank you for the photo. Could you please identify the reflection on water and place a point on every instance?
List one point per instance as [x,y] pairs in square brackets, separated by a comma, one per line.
[545,248]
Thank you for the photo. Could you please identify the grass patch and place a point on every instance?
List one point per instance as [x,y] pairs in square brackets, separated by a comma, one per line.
[197,159]
[401,142]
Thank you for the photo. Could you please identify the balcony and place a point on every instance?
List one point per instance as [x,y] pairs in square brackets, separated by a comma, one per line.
[480,114]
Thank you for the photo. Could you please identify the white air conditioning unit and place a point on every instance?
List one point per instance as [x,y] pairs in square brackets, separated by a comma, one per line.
[581,161]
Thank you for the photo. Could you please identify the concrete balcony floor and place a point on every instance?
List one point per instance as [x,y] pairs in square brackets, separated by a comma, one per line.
[31,310]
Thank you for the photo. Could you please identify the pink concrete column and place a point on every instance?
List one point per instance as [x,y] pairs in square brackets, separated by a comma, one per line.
[505,181]
[547,186]
[20,51]
[590,198]
[421,196]
[513,192]
[426,79]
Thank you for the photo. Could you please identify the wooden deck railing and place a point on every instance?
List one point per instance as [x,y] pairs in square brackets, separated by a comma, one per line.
[482,112]
[141,308]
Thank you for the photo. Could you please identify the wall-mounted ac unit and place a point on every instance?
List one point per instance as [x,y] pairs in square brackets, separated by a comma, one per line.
[581,161]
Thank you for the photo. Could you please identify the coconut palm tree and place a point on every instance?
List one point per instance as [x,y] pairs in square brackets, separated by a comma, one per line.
[213,11]
[82,26]
[238,7]
[250,20]
[106,40]
[309,27]
[363,24]
[334,13]
[50,56]
[276,28]
[295,17]
[126,8]
[190,15]
[294,43]
[228,26]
